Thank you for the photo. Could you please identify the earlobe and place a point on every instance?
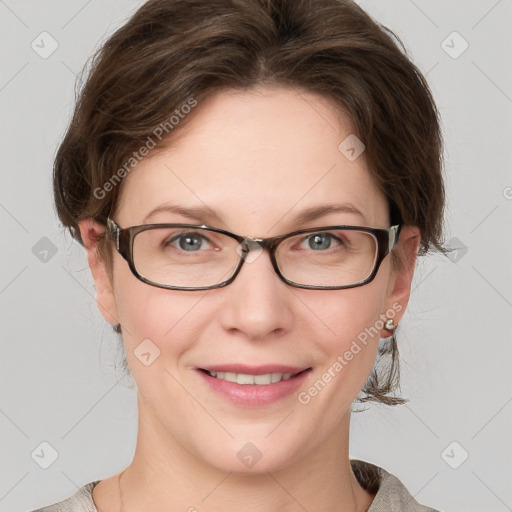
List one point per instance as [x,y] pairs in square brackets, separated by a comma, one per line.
[400,283]
[90,231]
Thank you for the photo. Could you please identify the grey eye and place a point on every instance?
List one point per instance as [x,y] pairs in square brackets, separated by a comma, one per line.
[320,241]
[189,242]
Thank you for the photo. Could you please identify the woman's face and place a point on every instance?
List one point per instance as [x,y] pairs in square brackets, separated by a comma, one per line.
[258,159]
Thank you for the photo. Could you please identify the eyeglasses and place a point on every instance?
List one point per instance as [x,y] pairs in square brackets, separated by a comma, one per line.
[199,257]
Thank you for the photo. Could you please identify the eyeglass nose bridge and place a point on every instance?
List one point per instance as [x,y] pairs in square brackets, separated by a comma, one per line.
[252,244]
[250,248]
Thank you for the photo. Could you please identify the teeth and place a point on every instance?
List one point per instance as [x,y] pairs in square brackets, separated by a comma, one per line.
[242,378]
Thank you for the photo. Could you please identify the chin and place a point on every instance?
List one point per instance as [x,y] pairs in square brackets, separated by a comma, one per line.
[249,457]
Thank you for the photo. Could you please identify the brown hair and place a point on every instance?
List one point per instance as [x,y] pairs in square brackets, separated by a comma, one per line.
[171,53]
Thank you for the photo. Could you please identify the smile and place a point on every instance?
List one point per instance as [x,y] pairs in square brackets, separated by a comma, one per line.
[259,380]
[254,388]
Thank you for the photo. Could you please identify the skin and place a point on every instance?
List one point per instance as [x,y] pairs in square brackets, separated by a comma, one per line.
[258,158]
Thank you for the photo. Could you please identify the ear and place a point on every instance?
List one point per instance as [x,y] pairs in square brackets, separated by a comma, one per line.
[105,299]
[401,278]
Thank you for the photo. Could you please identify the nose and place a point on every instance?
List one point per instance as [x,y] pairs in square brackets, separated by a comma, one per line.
[257,304]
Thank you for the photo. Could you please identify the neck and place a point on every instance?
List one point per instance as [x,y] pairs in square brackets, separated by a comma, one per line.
[165,476]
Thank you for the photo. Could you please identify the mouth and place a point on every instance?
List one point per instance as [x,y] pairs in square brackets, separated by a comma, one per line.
[263,379]
[254,386]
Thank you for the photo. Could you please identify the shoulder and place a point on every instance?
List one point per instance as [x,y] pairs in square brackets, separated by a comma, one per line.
[390,494]
[81,501]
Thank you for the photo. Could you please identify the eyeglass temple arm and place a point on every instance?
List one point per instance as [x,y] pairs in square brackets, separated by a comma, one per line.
[394,233]
[114,231]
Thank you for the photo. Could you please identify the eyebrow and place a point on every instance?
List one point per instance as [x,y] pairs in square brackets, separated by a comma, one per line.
[206,215]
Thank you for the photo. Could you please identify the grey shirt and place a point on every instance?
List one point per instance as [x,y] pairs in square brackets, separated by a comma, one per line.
[390,493]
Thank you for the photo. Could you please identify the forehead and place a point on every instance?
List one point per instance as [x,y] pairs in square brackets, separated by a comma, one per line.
[257,158]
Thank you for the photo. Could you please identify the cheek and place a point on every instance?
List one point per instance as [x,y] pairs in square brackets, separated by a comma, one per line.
[351,321]
[164,317]
[351,314]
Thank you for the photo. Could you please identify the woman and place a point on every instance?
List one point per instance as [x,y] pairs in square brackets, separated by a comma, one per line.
[252,182]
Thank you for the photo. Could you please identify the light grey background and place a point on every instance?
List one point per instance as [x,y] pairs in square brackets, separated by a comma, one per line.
[60,376]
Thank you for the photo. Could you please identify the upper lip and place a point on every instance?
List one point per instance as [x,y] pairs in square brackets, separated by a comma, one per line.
[254,370]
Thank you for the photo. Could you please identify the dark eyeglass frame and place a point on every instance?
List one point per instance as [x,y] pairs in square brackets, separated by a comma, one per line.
[123,240]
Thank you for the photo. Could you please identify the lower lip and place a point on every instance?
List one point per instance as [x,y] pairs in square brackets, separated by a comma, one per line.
[253,395]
